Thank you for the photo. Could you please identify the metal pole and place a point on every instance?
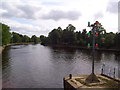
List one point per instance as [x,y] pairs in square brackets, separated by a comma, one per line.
[93,49]
[92,78]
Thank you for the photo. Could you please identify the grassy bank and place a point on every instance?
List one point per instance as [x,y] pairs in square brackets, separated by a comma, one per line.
[17,44]
[11,44]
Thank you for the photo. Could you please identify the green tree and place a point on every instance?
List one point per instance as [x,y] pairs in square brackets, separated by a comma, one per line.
[101,35]
[6,35]
[109,40]
[26,38]
[78,35]
[70,27]
[68,35]
[16,38]
[54,36]
[117,41]
[44,40]
[0,34]
[34,39]
[84,37]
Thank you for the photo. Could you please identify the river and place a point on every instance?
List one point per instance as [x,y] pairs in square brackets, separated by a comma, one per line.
[37,66]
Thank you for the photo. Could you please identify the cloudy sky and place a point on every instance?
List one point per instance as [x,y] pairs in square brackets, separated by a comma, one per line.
[39,17]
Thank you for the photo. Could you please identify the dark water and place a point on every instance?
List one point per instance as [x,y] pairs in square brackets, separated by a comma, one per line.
[37,66]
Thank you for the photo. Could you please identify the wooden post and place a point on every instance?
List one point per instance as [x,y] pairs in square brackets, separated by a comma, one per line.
[70,76]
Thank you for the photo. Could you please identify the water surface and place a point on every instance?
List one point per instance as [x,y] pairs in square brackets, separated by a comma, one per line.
[37,66]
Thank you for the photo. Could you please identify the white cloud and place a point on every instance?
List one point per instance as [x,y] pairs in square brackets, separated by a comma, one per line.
[98,15]
[11,10]
[19,10]
[112,7]
[29,11]
[27,29]
[57,15]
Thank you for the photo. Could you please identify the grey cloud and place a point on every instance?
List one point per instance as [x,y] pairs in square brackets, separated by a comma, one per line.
[6,14]
[28,11]
[98,15]
[21,10]
[112,7]
[58,14]
[11,10]
[52,3]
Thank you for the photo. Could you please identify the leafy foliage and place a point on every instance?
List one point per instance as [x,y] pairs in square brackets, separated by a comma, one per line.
[66,36]
[6,35]
[34,39]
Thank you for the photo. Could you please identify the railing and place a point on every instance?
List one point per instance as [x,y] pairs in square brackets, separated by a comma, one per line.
[113,72]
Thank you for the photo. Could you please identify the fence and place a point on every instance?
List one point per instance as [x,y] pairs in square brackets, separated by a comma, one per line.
[113,72]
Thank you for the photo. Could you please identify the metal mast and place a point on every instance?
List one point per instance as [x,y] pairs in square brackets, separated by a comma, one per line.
[92,78]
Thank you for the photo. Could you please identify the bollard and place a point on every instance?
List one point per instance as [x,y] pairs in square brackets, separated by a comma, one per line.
[103,67]
[102,71]
[114,72]
[70,76]
[111,72]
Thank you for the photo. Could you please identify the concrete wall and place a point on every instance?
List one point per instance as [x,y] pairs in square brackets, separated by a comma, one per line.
[67,86]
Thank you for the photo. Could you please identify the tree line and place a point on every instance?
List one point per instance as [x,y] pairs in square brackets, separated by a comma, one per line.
[67,36]
[13,37]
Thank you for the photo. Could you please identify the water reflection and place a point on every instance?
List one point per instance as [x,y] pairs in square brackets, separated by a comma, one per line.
[98,56]
[60,54]
[5,58]
[6,67]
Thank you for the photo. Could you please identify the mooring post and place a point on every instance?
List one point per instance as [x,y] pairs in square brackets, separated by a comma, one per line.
[114,72]
[102,70]
[110,72]
[103,66]
[70,76]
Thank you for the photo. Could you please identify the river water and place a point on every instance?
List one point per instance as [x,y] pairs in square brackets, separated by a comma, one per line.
[37,66]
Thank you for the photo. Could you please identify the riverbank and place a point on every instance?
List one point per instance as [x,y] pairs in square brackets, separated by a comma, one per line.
[85,48]
[62,46]
[11,44]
